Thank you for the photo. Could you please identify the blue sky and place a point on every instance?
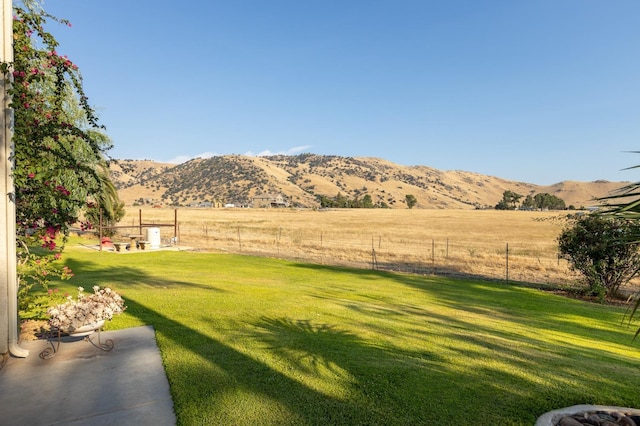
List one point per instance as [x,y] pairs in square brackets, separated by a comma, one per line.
[538,91]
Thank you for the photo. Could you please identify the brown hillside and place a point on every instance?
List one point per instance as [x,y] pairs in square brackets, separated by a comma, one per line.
[302,179]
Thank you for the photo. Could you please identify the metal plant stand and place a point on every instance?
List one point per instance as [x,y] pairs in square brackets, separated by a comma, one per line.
[54,342]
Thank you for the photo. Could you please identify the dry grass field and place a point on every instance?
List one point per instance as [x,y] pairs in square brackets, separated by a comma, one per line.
[514,245]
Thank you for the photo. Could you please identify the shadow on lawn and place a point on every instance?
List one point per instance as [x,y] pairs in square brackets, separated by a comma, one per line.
[579,355]
[230,387]
[319,374]
[487,298]
[130,277]
[227,386]
[282,370]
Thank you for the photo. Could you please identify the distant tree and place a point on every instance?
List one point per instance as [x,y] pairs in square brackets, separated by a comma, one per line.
[528,203]
[547,201]
[411,201]
[325,202]
[543,201]
[341,201]
[509,201]
[604,249]
[367,202]
[502,205]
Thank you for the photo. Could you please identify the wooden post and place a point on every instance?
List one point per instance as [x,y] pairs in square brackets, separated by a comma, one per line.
[433,255]
[507,255]
[447,255]
[433,251]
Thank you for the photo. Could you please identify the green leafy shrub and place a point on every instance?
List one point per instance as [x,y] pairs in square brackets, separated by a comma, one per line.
[604,249]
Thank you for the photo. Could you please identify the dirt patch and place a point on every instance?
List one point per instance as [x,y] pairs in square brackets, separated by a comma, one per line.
[34,330]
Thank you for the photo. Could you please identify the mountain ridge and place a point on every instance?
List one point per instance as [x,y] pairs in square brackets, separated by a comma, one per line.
[302,179]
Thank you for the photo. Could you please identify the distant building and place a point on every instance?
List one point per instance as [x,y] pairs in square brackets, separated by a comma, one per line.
[206,204]
[269,200]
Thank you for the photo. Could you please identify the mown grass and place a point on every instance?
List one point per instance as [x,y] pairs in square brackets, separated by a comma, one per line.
[248,340]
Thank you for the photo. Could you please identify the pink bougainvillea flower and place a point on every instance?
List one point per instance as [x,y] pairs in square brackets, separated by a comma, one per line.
[51,245]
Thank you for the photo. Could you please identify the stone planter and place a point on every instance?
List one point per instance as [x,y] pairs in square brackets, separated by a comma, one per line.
[622,415]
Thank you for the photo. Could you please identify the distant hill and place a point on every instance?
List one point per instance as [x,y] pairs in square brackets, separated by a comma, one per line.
[302,179]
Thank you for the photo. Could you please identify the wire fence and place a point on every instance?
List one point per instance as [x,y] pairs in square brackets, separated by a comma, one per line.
[510,261]
[398,248]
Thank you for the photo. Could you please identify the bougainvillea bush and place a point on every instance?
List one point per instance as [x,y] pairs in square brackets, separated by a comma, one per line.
[60,162]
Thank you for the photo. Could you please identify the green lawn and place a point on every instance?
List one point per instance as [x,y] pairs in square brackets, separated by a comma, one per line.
[249,340]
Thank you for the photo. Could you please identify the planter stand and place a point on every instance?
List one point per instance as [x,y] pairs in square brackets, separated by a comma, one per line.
[84,331]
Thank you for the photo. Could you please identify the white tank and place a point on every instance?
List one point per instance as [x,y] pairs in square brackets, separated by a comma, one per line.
[153,237]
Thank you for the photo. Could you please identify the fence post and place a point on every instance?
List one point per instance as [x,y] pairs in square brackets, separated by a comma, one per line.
[239,240]
[175,225]
[373,253]
[507,256]
[278,239]
[433,256]
[374,259]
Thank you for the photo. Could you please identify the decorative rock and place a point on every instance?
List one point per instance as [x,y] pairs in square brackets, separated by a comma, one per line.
[569,421]
[624,420]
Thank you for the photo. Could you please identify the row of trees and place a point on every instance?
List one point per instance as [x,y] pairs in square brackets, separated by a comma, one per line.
[511,201]
[342,202]
[366,202]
